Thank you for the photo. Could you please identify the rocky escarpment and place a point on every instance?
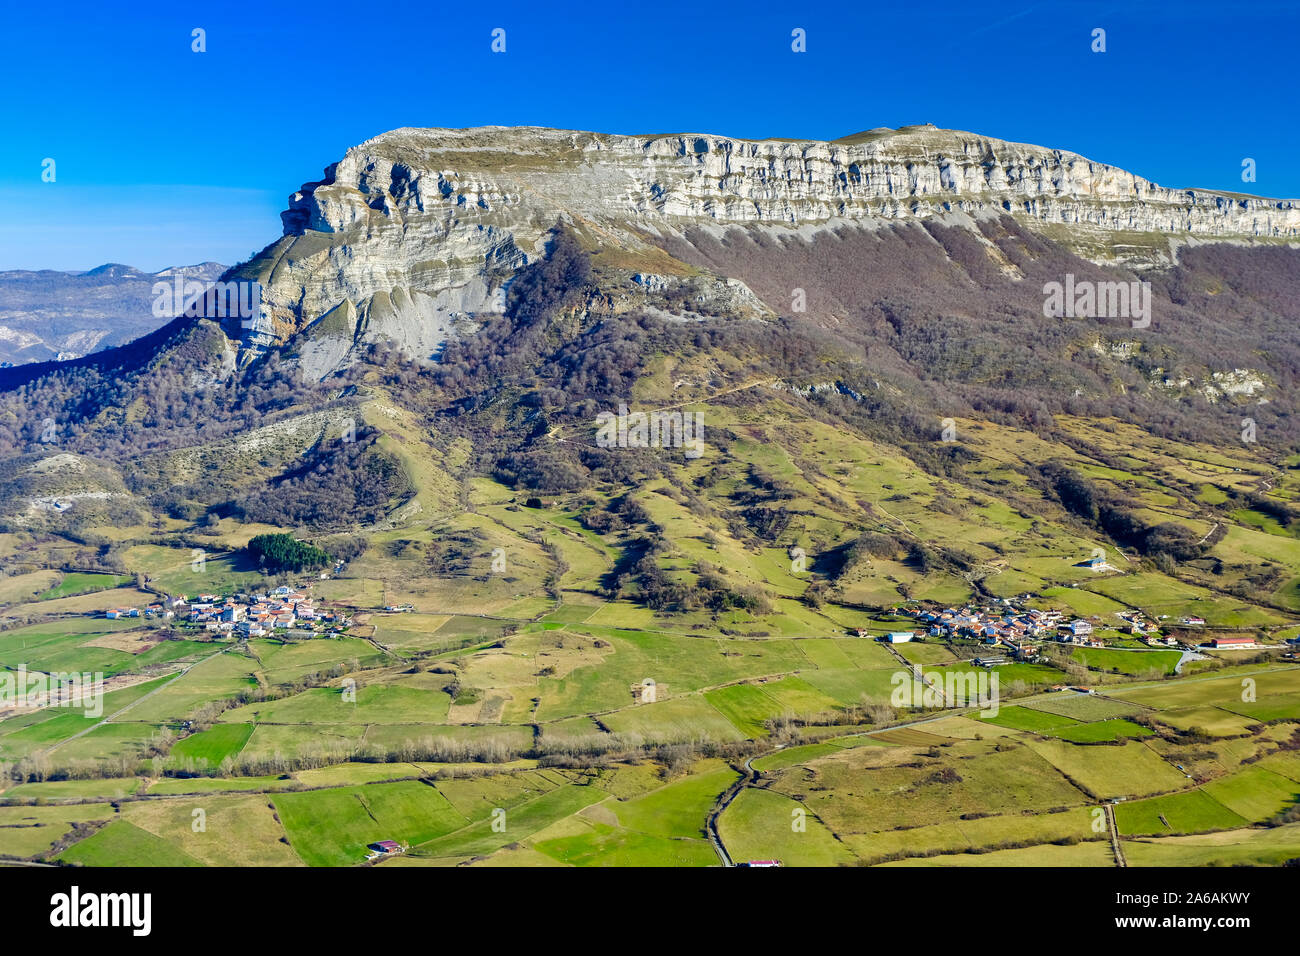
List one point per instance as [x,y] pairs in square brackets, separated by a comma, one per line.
[417,230]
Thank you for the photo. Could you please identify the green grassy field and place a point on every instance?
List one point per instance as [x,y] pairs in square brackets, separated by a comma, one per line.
[123,844]
[762,825]
[500,722]
[210,747]
[80,582]
[1191,812]
[333,827]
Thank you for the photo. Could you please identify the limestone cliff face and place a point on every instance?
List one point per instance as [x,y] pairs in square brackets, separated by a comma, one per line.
[416,230]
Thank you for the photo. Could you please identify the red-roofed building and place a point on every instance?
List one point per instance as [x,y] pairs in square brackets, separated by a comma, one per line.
[1233,642]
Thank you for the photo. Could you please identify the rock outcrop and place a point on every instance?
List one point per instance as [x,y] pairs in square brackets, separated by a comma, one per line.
[418,230]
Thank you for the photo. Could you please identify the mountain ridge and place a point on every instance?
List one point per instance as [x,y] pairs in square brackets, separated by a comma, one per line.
[60,316]
[415,231]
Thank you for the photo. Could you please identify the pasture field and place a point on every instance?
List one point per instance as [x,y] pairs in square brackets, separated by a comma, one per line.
[907,737]
[1252,847]
[27,832]
[284,662]
[124,844]
[1286,763]
[851,686]
[1083,602]
[1113,729]
[235,831]
[1130,769]
[679,808]
[1210,720]
[794,756]
[868,789]
[476,795]
[679,718]
[1022,718]
[1082,706]
[373,704]
[209,748]
[220,675]
[1157,594]
[1221,691]
[1276,707]
[842,653]
[984,834]
[518,822]
[582,842]
[80,645]
[759,825]
[973,727]
[80,582]
[746,706]
[111,788]
[24,733]
[466,710]
[174,786]
[1134,663]
[1255,793]
[21,588]
[1193,811]
[1093,853]
[332,827]
[796,696]
[92,602]
[924,653]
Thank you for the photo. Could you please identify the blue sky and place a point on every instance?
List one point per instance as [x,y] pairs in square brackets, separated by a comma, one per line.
[165,156]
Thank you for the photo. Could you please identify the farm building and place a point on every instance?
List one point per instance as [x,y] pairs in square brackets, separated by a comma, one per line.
[386,846]
[898,637]
[1233,642]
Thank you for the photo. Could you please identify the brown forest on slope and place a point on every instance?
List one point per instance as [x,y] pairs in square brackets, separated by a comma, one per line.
[932,302]
[910,323]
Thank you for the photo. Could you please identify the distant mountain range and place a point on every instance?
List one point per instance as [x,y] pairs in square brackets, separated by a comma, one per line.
[49,315]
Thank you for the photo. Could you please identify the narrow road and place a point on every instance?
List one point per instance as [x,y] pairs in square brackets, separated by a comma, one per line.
[748,778]
[1114,836]
[179,674]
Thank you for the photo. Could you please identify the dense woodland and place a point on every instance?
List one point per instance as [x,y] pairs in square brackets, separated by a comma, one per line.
[284,552]
[336,484]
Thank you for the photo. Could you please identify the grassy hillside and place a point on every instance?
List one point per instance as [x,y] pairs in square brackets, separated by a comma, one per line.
[545,647]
